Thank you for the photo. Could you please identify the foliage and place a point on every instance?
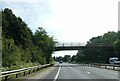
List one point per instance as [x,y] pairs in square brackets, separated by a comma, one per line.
[60,58]
[44,42]
[20,47]
[73,58]
[66,58]
[11,53]
[117,47]
[98,55]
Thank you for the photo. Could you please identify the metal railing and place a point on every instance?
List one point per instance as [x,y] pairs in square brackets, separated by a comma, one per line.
[105,66]
[24,71]
[81,44]
[70,44]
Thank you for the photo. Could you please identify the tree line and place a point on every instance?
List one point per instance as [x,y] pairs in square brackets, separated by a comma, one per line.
[97,55]
[100,55]
[22,48]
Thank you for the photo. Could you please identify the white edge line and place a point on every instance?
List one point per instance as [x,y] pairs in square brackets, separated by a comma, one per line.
[88,72]
[57,74]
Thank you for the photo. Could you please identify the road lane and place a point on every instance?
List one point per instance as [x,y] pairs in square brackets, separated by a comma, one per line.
[75,71]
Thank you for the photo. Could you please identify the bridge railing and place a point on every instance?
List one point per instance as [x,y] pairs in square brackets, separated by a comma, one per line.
[69,44]
[81,44]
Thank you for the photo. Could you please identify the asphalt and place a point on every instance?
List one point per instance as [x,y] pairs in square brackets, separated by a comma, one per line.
[75,72]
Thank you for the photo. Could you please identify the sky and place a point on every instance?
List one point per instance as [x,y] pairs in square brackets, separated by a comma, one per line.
[67,20]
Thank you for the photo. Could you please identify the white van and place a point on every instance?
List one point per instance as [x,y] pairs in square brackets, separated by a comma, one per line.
[114,60]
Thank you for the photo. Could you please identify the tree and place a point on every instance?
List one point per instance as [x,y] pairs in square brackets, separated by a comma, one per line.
[20,47]
[66,58]
[98,55]
[44,42]
[73,58]
[11,54]
[60,58]
[14,27]
[117,48]
[117,45]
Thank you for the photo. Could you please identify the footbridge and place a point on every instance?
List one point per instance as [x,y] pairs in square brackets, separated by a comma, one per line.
[78,46]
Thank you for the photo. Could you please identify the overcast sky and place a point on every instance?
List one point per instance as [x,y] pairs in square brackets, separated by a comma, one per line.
[67,20]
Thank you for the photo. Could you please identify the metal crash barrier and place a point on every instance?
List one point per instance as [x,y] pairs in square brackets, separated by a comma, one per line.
[105,66]
[22,72]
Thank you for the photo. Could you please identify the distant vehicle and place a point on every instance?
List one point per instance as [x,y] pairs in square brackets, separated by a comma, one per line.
[60,62]
[114,60]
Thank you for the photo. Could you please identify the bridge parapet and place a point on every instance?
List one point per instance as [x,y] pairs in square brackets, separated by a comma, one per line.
[78,46]
[72,44]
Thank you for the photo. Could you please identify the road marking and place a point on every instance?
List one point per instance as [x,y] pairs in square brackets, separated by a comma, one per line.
[57,74]
[88,72]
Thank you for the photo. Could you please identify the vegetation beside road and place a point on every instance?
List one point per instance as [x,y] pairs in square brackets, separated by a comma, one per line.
[22,48]
[100,55]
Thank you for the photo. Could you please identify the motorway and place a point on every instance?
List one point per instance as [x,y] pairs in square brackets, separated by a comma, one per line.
[75,72]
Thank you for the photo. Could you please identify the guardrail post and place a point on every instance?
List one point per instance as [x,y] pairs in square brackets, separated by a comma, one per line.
[24,74]
[38,69]
[33,70]
[6,77]
[29,71]
[113,67]
[16,75]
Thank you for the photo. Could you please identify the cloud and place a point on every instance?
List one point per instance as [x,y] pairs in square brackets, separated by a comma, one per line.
[32,13]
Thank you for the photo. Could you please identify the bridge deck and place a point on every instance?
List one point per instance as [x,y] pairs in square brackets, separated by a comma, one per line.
[58,48]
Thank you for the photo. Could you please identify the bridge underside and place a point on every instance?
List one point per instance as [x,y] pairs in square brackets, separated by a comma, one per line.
[82,47]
